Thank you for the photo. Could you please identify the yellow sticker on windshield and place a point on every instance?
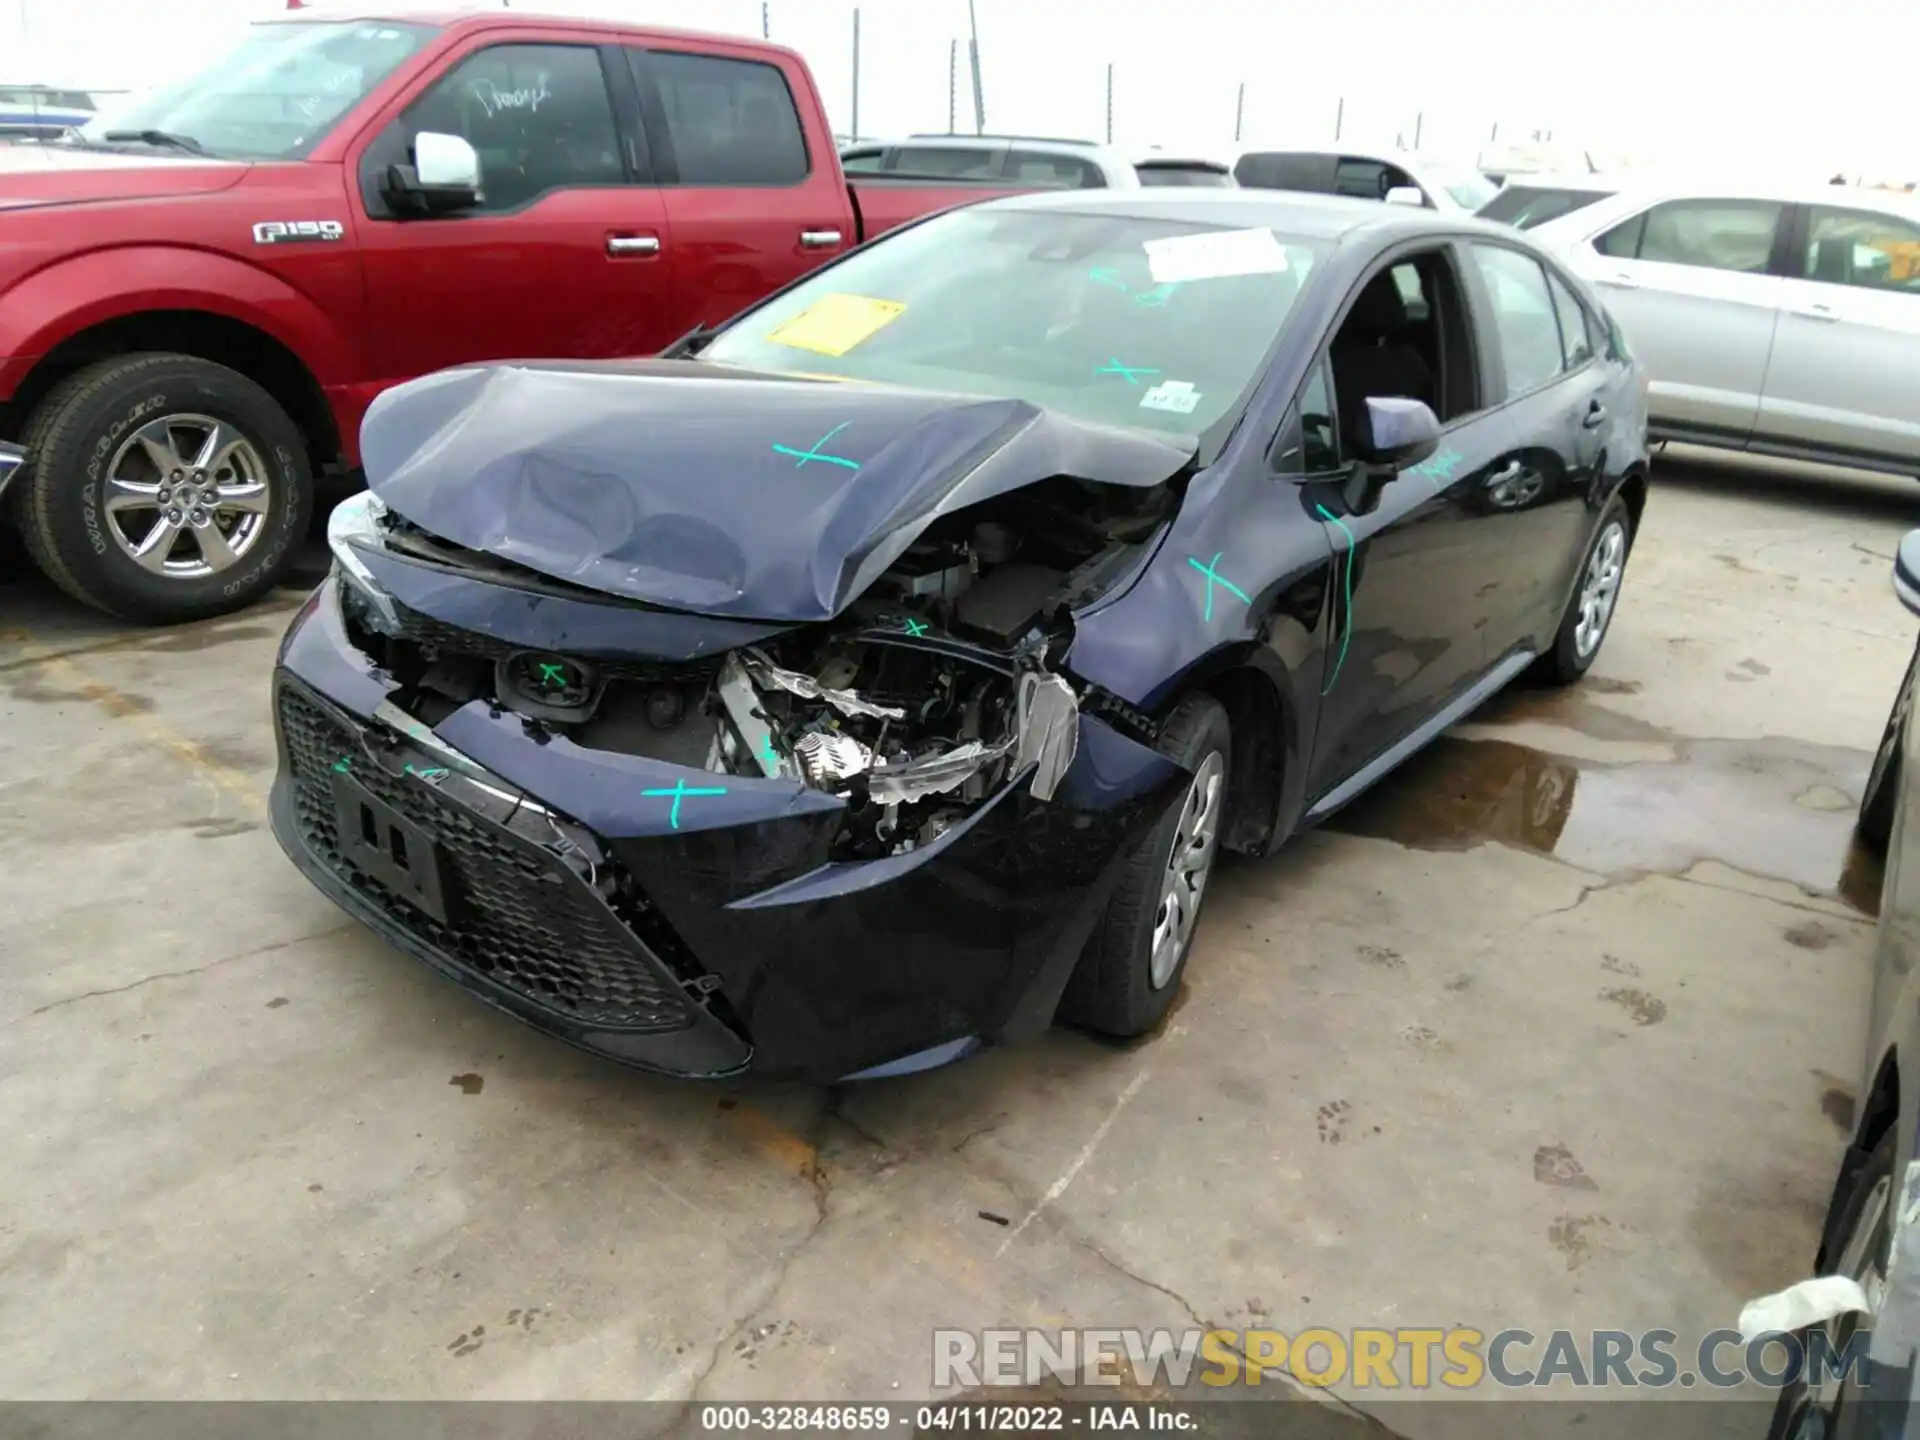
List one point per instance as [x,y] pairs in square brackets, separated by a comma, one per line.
[834,324]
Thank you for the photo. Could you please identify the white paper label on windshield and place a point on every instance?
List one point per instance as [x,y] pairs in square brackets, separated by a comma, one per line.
[1176,396]
[1214,255]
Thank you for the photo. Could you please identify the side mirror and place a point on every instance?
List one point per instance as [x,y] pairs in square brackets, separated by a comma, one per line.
[1906,569]
[1407,195]
[1400,434]
[444,176]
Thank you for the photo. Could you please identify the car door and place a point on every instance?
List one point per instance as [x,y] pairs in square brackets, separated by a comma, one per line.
[1411,599]
[563,256]
[1846,355]
[1688,281]
[754,201]
[1558,395]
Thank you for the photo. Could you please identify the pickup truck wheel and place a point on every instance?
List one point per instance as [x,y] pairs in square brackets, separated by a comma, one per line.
[163,488]
[1130,971]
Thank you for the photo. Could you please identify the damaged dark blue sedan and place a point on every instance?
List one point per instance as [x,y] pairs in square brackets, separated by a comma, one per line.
[877,675]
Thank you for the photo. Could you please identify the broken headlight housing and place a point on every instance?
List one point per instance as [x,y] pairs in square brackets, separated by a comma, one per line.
[356,522]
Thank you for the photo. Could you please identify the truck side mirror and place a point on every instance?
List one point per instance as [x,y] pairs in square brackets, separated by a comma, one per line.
[444,176]
[1411,195]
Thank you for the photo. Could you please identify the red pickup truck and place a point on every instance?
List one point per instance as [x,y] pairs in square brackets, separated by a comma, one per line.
[201,294]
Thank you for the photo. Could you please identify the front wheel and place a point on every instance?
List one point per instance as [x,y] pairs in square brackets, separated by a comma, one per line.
[163,488]
[1130,971]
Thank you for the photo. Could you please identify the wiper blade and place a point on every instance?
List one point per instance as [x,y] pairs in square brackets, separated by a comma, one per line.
[165,139]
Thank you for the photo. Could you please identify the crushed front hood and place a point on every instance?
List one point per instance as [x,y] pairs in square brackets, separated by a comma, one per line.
[716,491]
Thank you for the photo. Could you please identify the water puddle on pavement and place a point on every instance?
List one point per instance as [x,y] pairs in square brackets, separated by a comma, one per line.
[1636,800]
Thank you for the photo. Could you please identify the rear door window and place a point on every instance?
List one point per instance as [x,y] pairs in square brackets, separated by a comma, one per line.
[1523,313]
[727,122]
[1576,339]
[1735,235]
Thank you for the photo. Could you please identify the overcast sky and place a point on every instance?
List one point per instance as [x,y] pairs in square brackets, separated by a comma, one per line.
[1808,86]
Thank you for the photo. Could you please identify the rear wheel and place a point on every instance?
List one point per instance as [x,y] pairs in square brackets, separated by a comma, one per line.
[1584,627]
[1878,800]
[163,488]
[1131,969]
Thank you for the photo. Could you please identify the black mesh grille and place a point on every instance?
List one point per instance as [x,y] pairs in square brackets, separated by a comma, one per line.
[437,638]
[519,919]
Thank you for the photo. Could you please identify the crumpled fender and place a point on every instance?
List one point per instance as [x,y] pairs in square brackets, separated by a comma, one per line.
[706,489]
[73,294]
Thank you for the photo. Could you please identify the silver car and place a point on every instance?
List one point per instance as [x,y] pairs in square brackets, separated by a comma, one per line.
[1781,322]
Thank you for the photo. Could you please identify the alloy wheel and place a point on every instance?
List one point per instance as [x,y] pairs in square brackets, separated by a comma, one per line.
[1600,588]
[186,496]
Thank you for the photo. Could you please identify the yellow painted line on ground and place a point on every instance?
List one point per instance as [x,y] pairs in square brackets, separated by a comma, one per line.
[122,706]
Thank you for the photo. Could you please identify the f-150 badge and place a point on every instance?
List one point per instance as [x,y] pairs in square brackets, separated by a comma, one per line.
[284,232]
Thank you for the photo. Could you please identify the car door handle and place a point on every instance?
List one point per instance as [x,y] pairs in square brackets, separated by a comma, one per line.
[633,244]
[1824,313]
[1595,417]
[1625,282]
[819,239]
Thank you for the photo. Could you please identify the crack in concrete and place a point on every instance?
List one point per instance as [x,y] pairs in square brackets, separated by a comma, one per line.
[817,1181]
[64,1001]
[1284,1377]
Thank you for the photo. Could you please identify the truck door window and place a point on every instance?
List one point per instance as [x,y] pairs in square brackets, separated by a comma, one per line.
[727,122]
[538,116]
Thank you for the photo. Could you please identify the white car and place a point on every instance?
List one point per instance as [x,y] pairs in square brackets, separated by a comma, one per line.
[1426,180]
[1031,161]
[1779,321]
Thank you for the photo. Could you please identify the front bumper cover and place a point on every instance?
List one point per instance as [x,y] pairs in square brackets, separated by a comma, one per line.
[723,940]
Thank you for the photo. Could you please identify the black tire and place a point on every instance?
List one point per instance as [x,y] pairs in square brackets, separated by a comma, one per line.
[1793,1414]
[71,441]
[1563,663]
[1882,795]
[1112,990]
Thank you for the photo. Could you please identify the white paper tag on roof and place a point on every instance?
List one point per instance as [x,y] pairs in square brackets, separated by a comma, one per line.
[1214,255]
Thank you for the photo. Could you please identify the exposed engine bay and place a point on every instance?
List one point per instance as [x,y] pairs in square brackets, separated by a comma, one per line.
[916,704]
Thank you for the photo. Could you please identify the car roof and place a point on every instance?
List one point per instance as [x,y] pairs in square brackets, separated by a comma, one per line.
[1631,193]
[1305,215]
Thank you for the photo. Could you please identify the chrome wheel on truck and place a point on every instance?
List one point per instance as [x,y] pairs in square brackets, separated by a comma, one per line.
[186,495]
[162,488]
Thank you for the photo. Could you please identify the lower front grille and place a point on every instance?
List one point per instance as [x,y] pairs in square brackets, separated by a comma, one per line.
[519,917]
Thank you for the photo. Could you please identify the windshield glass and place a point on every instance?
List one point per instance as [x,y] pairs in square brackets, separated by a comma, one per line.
[270,96]
[1064,309]
[1469,190]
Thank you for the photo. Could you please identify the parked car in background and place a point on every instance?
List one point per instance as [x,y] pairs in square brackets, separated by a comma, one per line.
[41,111]
[1779,321]
[1150,524]
[1876,1179]
[1435,183]
[1526,201]
[201,292]
[1030,160]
